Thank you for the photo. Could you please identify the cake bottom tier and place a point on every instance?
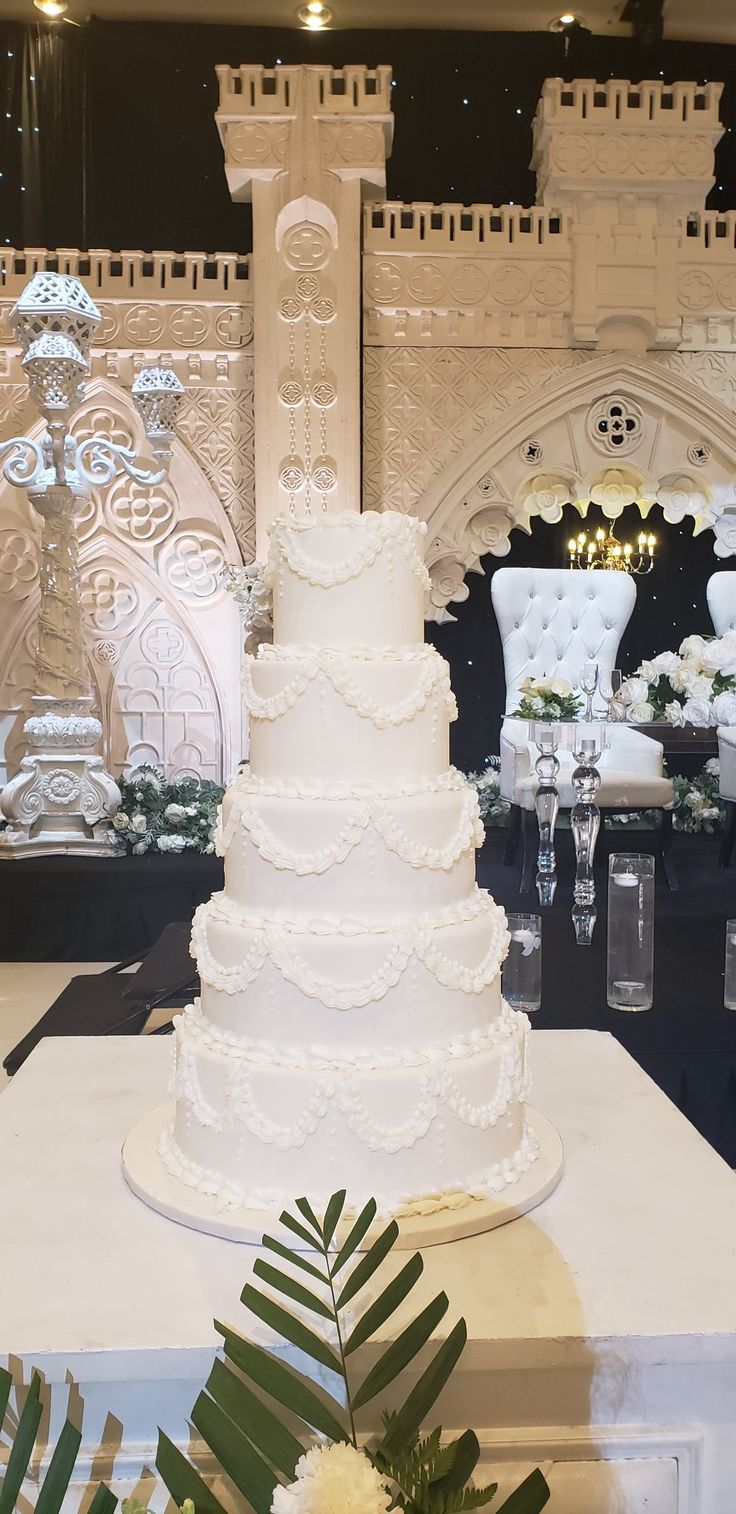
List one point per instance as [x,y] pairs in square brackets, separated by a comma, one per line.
[258,1129]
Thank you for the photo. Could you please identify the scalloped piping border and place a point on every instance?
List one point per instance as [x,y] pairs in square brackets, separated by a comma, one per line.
[230,1196]
[380,530]
[433,676]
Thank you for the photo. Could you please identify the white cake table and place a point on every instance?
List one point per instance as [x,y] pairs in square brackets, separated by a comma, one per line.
[602,1326]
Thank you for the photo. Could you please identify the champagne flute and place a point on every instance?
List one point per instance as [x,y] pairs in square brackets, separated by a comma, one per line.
[589,684]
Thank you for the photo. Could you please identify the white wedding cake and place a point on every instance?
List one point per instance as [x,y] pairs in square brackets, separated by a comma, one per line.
[351,1031]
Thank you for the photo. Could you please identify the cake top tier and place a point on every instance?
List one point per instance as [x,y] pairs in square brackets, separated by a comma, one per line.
[348,579]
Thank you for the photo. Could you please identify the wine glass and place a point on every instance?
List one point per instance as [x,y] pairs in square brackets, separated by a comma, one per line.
[589,684]
[609,685]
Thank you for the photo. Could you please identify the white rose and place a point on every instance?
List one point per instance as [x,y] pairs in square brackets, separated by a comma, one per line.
[139,824]
[720,656]
[648,671]
[692,647]
[641,712]
[174,813]
[724,708]
[139,848]
[713,767]
[171,843]
[673,713]
[698,712]
[689,678]
[665,663]
[560,687]
[634,691]
[120,821]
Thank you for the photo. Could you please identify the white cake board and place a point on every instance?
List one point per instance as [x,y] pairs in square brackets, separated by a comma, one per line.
[150,1180]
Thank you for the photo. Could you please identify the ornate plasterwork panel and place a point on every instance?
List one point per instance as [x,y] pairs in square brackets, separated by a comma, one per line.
[532,443]
[421,407]
[217,426]
[163,635]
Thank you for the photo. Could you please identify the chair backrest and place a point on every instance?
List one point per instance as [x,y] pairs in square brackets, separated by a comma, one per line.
[552,620]
[721,596]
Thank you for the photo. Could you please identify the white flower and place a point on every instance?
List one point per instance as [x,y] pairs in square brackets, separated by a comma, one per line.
[333,1480]
[560,687]
[665,662]
[209,849]
[642,712]
[698,712]
[174,813]
[724,708]
[528,940]
[171,843]
[713,767]
[139,825]
[719,656]
[689,678]
[692,647]
[634,691]
[120,821]
[139,848]
[190,810]
[648,671]
[673,713]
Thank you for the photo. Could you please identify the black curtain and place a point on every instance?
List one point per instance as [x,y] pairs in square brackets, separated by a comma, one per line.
[127,154]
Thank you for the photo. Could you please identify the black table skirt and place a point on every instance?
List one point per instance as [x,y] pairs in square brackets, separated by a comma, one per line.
[97,909]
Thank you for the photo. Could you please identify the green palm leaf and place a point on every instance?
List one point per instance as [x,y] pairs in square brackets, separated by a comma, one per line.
[295,1257]
[353,1239]
[401,1351]
[283,1384]
[531,1496]
[425,1392]
[59,1474]
[259,1423]
[235,1454]
[182,1479]
[305,1208]
[332,1216]
[368,1264]
[104,1502]
[22,1448]
[297,1229]
[291,1328]
[288,1285]
[6,1383]
[384,1306]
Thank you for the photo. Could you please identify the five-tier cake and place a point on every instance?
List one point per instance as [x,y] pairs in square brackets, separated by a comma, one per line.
[351,1031]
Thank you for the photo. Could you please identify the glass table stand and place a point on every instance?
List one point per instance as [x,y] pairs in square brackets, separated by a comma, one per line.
[586,740]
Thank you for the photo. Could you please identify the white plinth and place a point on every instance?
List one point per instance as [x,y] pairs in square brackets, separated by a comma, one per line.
[602,1327]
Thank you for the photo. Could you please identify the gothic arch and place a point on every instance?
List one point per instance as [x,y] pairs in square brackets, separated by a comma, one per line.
[619,430]
[164,636]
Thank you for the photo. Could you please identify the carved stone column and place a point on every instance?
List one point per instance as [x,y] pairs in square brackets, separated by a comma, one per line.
[61,798]
[305,143]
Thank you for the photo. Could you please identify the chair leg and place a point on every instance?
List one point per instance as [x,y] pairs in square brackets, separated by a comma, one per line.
[527,854]
[513,830]
[729,835]
[668,861]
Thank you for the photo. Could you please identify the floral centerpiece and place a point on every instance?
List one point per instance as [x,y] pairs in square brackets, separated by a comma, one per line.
[157,815]
[695,686]
[487,785]
[547,699]
[254,601]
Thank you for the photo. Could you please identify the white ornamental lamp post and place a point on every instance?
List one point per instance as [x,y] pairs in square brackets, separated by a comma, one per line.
[61,800]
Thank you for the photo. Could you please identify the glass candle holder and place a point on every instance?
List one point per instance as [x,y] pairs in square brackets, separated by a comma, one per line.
[630,968]
[522,970]
[729,980]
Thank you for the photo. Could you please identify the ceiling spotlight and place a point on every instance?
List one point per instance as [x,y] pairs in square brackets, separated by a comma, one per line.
[51,8]
[314,15]
[567,22]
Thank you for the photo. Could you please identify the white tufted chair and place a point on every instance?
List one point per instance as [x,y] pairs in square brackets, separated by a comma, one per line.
[551,621]
[721,596]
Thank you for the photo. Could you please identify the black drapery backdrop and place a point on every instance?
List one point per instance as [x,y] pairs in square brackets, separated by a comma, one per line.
[107,139]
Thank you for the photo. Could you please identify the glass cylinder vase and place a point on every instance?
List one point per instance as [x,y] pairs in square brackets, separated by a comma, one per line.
[630,970]
[522,970]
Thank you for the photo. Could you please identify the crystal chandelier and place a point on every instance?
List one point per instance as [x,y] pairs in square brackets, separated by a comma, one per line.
[604,550]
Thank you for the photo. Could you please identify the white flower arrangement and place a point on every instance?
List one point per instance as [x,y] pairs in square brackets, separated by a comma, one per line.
[695,686]
[333,1479]
[547,699]
[166,817]
[487,785]
[255,602]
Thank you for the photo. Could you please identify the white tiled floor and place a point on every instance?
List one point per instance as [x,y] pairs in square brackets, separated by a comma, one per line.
[27,989]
